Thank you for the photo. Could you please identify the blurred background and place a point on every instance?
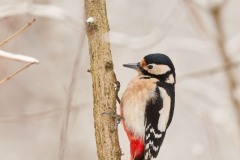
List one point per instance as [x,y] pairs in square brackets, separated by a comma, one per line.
[202,37]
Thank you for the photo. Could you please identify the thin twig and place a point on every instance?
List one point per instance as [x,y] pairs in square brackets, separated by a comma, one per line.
[65,123]
[18,32]
[18,71]
[17,57]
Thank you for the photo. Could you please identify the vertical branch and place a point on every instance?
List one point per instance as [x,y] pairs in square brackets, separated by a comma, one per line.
[220,41]
[102,79]
[18,32]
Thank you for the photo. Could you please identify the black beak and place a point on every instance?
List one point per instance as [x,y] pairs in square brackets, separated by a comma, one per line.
[132,65]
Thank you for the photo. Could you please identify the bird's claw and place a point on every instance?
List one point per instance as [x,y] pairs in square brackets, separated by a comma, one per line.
[117,88]
[116,117]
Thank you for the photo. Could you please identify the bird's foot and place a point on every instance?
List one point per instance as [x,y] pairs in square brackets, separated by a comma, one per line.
[117,88]
[116,117]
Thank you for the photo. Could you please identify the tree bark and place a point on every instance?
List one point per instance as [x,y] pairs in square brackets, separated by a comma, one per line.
[103,79]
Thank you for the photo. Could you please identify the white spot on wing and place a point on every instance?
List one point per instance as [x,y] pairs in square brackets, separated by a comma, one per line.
[148,136]
[155,134]
[146,155]
[154,148]
[148,127]
[147,146]
[170,79]
[165,111]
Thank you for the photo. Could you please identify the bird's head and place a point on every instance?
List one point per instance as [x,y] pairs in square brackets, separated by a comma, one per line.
[156,65]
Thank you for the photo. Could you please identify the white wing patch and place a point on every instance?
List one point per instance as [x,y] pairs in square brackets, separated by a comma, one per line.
[154,148]
[148,127]
[151,144]
[155,134]
[170,79]
[147,155]
[165,111]
[147,136]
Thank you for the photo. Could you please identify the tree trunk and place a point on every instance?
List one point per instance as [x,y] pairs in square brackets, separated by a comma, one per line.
[103,79]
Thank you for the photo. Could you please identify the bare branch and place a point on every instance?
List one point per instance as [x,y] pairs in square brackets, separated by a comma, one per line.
[18,32]
[65,123]
[17,57]
[103,79]
[18,71]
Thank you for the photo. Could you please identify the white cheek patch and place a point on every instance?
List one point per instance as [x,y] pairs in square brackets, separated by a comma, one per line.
[170,79]
[158,69]
[165,111]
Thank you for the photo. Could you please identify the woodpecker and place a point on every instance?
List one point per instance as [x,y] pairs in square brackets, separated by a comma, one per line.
[147,105]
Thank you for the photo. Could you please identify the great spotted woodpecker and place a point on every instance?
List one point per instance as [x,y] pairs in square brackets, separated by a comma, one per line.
[147,105]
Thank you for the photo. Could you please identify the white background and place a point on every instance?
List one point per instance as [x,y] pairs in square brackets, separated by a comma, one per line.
[32,103]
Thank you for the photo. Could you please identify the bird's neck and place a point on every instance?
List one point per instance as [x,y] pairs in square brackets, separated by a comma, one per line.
[167,78]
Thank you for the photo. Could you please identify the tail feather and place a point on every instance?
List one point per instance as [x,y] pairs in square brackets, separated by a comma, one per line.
[139,158]
[136,146]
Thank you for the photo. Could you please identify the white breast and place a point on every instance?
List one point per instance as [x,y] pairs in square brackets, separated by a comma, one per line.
[134,99]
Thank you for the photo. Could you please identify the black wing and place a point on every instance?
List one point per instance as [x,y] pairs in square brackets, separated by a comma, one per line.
[153,136]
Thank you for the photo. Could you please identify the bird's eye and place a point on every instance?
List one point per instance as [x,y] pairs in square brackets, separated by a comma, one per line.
[149,66]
